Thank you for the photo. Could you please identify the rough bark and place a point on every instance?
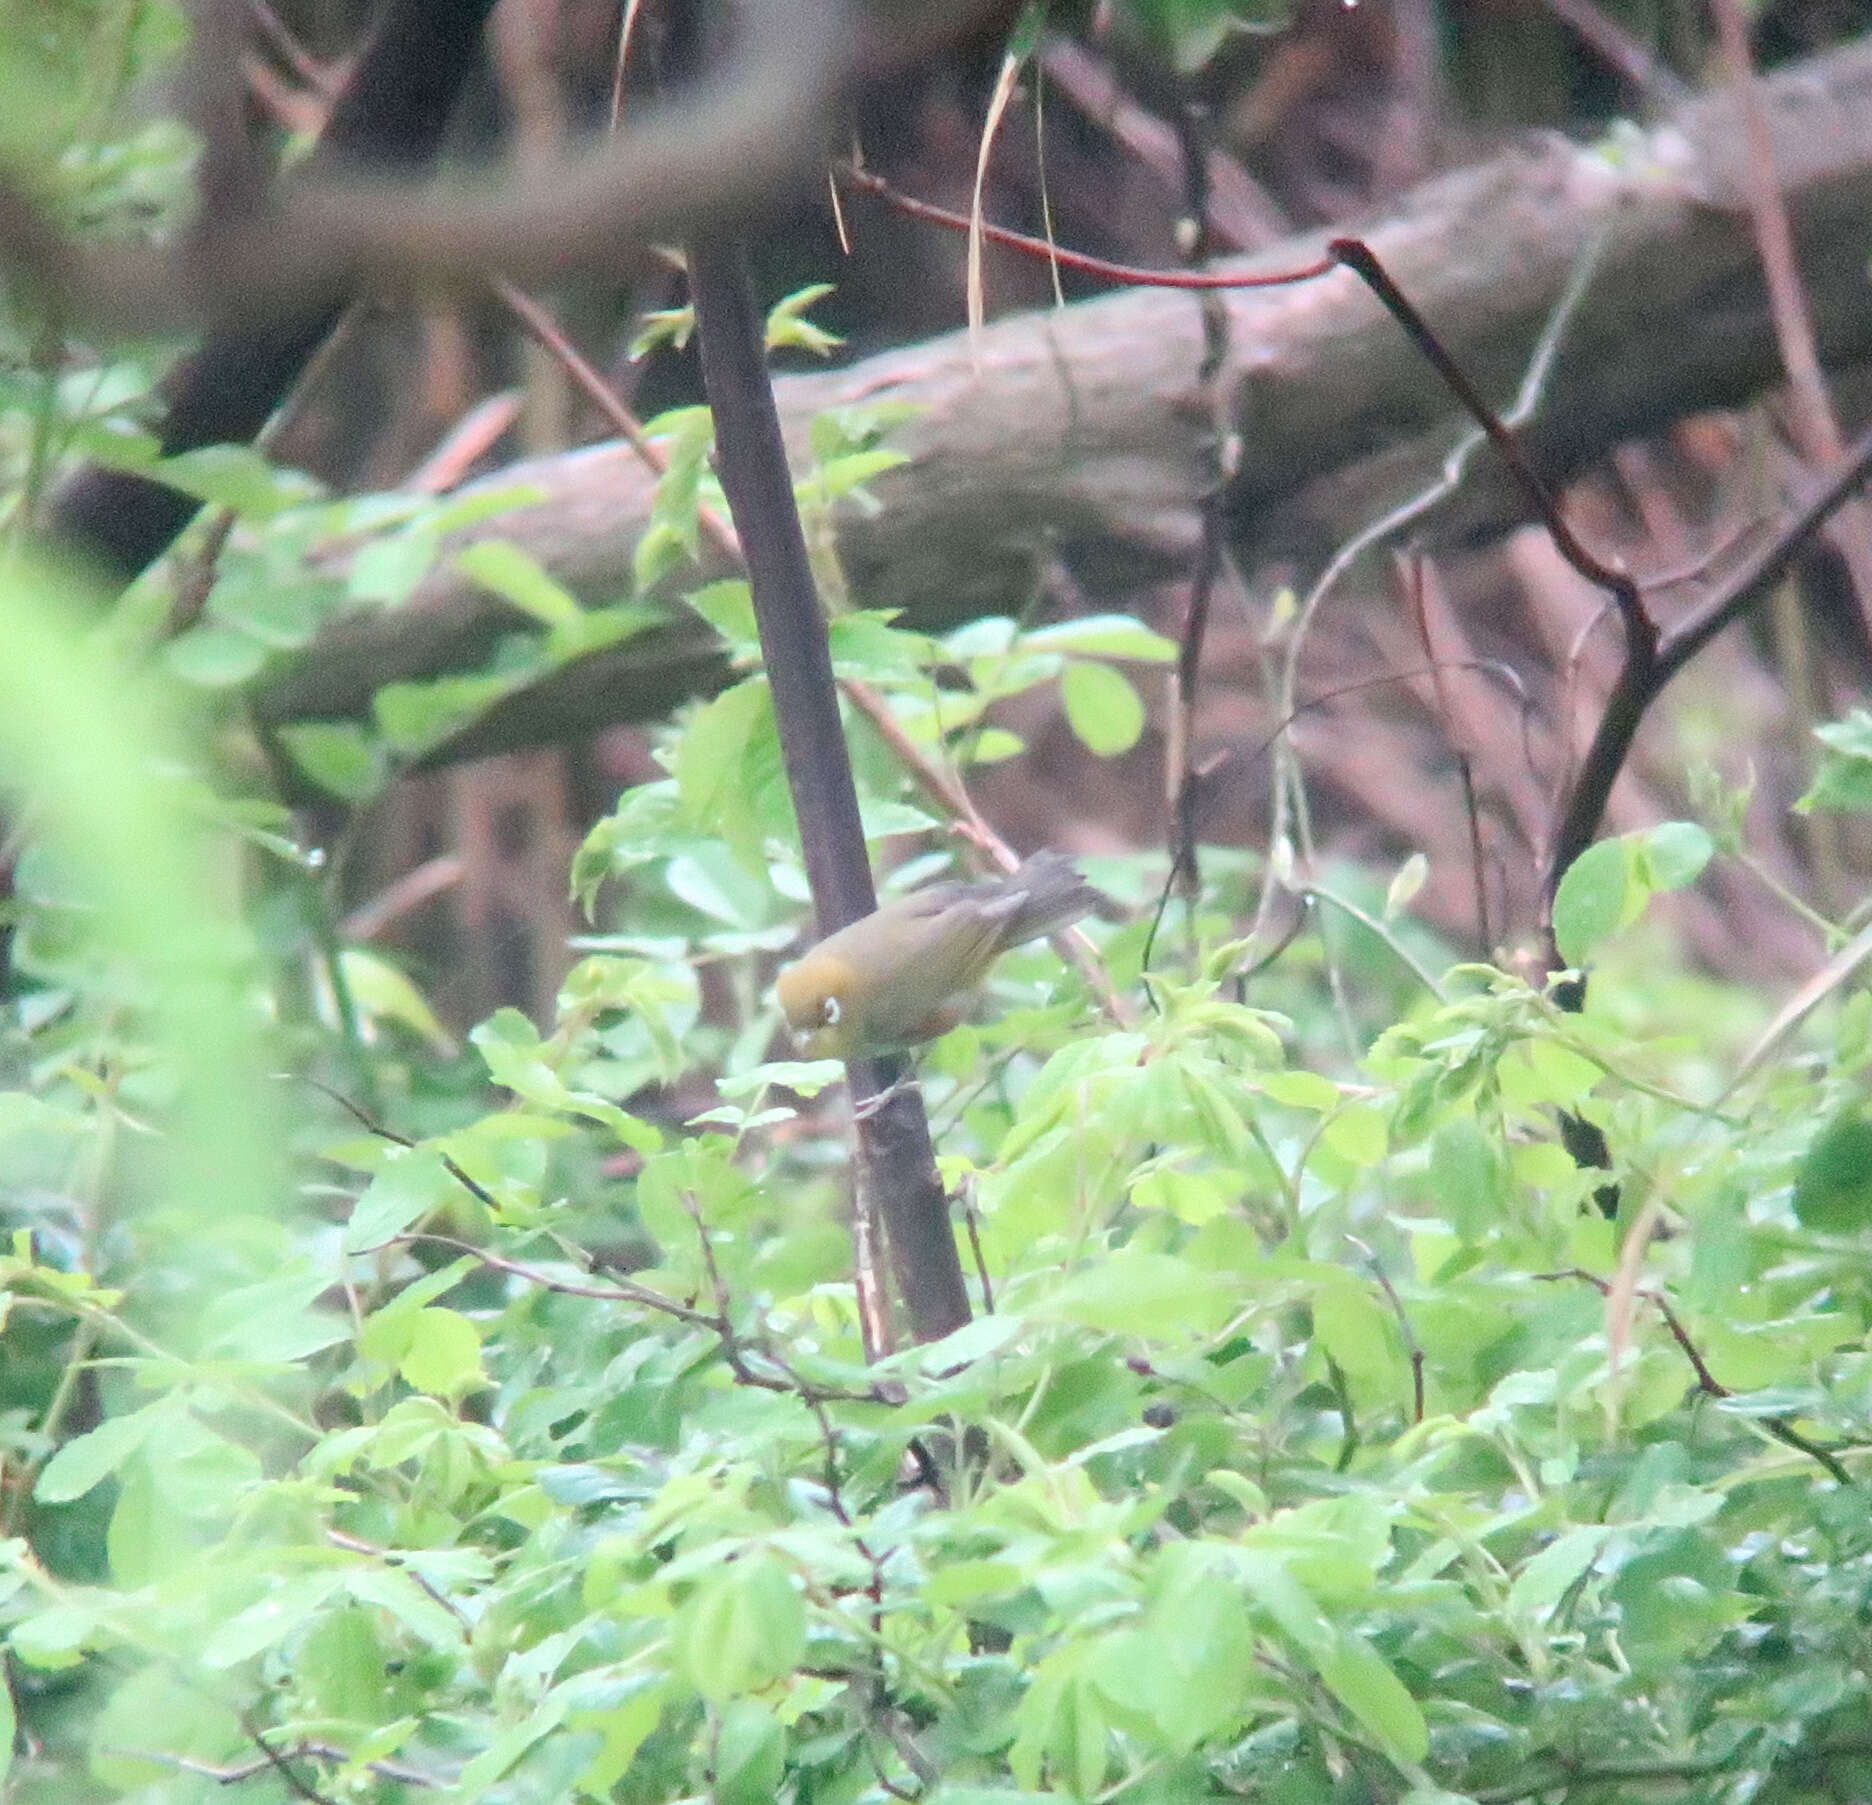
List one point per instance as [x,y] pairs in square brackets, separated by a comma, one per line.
[1081,433]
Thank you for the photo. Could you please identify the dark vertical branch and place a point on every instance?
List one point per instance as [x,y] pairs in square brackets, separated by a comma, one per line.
[1193,240]
[897,1166]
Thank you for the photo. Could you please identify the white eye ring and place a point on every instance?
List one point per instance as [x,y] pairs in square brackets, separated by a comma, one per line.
[829,1012]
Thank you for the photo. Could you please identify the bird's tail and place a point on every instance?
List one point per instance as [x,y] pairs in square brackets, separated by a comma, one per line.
[1044,895]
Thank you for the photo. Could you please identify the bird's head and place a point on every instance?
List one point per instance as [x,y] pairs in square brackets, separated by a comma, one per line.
[821,997]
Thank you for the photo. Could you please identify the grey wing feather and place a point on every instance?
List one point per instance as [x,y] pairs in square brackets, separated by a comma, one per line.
[1043,896]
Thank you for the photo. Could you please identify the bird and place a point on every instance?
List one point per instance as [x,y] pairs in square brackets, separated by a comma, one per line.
[902,974]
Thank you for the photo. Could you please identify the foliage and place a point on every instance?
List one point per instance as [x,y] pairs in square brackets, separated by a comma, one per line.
[496,1424]
[1324,1440]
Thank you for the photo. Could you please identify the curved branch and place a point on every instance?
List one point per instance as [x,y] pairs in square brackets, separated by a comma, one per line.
[1072,434]
[710,158]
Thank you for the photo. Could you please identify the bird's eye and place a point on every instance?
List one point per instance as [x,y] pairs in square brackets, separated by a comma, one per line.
[829,1012]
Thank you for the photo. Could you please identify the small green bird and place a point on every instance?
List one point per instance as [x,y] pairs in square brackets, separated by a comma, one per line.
[902,973]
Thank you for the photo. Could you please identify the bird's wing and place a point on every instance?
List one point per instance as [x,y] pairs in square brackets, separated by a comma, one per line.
[948,940]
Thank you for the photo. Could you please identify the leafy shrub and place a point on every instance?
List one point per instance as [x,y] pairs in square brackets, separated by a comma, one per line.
[1318,1437]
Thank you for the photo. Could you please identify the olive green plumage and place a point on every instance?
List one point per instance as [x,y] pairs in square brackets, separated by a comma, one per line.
[900,974]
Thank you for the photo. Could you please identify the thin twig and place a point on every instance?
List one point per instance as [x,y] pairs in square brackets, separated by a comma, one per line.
[1411,1346]
[1706,1382]
[613,1293]
[545,332]
[946,791]
[1129,274]
[1240,211]
[1738,592]
[234,1772]
[1615,46]
[323,79]
[1358,257]
[414,888]
[1180,774]
[1288,797]
[939,786]
[1812,419]
[280,1762]
[404,1564]
[972,1223]
[734,1347]
[1412,570]
[1235,754]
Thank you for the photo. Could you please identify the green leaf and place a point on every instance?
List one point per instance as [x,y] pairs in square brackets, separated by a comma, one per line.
[742,1628]
[281,608]
[276,1320]
[1300,1090]
[518,577]
[787,326]
[342,1664]
[411,1183]
[1595,899]
[674,531]
[1844,779]
[593,629]
[1550,1574]
[750,1754]
[341,757]
[730,774]
[1136,1293]
[516,1058]
[157,1710]
[1357,1132]
[1675,853]
[1102,636]
[1468,1179]
[1102,708]
[500,1756]
[1192,1197]
[1188,1670]
[213,657]
[414,717]
[1376,1697]
[88,1460]
[1354,1327]
[848,475]
[387,569]
[1535,1072]
[444,1354]
[1833,1189]
[236,477]
[1403,888]
[728,607]
[994,745]
[1607,887]
[383,993]
[483,501]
